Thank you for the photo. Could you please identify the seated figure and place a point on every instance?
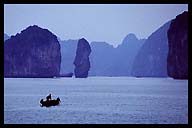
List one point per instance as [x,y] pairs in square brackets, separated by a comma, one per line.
[48,97]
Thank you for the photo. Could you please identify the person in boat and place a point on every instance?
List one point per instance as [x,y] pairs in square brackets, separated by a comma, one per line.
[49,103]
[48,97]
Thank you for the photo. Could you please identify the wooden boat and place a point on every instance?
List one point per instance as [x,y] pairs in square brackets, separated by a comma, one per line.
[49,103]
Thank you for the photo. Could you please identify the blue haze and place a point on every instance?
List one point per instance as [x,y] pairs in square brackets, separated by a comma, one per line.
[96,22]
[68,52]
[6,37]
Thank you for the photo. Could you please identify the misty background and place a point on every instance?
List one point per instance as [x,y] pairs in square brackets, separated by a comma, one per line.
[95,22]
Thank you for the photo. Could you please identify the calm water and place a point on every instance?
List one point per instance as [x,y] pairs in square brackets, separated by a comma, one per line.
[96,100]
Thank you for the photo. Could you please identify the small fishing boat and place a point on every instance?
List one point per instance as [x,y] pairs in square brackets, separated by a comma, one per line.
[49,103]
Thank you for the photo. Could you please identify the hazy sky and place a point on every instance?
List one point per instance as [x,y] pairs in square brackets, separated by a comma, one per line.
[95,22]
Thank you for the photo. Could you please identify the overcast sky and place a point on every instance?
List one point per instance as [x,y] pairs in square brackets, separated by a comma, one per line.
[95,22]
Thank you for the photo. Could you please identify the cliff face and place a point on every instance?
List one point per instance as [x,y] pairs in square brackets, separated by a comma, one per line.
[81,62]
[126,53]
[35,52]
[151,59]
[102,59]
[177,60]
[105,58]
